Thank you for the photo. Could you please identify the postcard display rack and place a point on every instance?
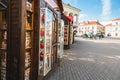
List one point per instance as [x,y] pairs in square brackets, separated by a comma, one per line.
[45,41]
[3,44]
[28,37]
[66,34]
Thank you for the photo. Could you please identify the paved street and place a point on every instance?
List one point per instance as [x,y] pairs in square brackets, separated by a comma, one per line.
[90,60]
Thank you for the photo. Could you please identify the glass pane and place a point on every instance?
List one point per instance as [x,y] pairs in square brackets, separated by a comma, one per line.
[45,41]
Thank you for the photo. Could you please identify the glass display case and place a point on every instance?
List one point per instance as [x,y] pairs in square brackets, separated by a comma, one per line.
[66,34]
[45,41]
[3,41]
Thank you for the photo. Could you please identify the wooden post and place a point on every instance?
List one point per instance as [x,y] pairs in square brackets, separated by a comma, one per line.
[56,38]
[36,25]
[16,37]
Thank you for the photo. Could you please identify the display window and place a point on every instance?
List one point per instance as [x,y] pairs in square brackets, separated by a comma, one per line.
[45,41]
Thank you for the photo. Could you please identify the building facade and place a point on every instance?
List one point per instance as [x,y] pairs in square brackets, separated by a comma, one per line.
[113,29]
[93,27]
[71,11]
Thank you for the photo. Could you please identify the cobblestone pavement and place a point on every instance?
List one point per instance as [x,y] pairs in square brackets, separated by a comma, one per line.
[90,60]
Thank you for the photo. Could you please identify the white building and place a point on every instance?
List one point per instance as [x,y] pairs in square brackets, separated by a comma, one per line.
[90,26]
[71,11]
[113,29]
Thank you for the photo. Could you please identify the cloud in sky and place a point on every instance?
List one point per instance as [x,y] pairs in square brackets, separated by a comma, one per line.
[82,17]
[106,9]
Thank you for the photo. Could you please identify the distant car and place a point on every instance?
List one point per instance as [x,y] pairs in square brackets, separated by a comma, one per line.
[84,36]
[100,35]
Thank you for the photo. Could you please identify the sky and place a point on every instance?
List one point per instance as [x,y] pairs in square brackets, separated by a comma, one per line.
[102,10]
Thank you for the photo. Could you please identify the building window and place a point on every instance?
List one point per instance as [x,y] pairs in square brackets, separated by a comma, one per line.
[116,34]
[116,23]
[116,29]
[92,27]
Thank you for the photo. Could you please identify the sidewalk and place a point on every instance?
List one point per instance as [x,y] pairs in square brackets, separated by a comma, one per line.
[89,60]
[112,38]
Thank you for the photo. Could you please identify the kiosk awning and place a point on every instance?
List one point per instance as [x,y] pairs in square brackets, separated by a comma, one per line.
[70,18]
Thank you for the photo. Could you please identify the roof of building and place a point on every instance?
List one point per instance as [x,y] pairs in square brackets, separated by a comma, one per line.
[110,24]
[82,23]
[90,23]
[118,19]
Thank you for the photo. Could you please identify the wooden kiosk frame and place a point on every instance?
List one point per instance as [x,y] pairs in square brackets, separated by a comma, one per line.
[22,39]
[23,25]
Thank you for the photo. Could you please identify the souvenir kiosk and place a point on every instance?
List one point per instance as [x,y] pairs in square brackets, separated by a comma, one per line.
[19,28]
[48,42]
[67,31]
